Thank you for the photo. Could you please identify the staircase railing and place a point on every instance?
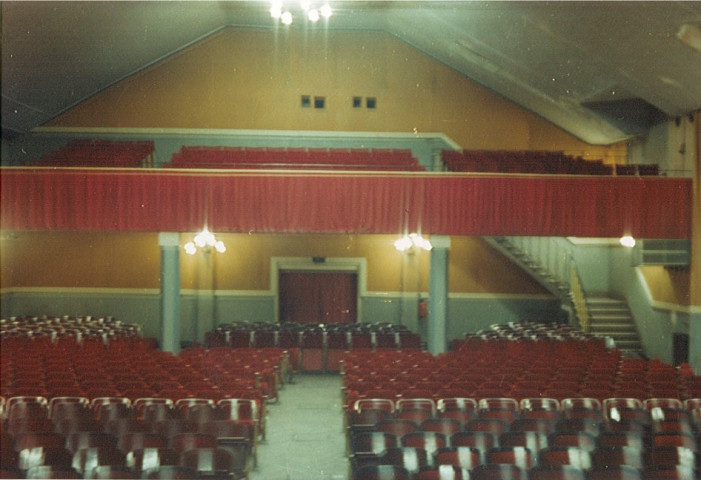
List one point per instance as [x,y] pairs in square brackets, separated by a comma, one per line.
[559,263]
[549,253]
[579,299]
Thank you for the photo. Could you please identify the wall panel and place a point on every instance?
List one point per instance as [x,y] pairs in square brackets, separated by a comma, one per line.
[253,79]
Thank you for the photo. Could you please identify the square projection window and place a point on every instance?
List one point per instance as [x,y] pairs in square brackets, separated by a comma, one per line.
[371,102]
[357,102]
[319,102]
[306,101]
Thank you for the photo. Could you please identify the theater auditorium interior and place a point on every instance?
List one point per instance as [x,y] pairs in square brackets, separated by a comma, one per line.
[311,240]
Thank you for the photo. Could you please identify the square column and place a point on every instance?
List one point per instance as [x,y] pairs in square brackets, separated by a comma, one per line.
[438,295]
[170,291]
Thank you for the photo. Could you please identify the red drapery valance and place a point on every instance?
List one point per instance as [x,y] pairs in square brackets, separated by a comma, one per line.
[448,204]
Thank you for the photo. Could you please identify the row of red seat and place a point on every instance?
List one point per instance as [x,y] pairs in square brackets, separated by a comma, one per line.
[145,434]
[100,153]
[33,332]
[536,162]
[660,434]
[409,463]
[518,361]
[314,347]
[294,158]
[53,370]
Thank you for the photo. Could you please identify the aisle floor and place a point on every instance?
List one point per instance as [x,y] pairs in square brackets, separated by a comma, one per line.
[305,438]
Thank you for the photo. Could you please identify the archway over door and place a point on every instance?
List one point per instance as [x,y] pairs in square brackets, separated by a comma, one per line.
[318,297]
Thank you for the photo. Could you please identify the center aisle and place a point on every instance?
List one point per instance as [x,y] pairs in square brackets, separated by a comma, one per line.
[304,433]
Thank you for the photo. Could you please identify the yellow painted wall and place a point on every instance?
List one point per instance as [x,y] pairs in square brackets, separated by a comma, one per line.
[245,78]
[82,260]
[132,260]
[696,219]
[668,285]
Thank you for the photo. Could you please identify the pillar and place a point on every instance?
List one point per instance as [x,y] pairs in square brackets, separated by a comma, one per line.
[170,291]
[438,295]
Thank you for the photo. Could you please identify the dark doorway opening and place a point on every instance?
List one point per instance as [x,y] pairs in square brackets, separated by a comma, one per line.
[318,297]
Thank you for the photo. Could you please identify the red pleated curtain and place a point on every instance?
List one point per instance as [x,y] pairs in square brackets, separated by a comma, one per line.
[447,204]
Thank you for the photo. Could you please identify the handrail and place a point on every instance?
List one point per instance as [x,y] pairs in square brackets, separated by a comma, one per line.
[579,300]
[559,263]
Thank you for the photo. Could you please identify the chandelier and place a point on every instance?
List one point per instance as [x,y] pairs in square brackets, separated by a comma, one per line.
[205,240]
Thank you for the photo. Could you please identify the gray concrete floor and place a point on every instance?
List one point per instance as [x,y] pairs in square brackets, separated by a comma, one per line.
[304,434]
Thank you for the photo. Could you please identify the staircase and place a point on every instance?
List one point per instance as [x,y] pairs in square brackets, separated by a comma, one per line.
[548,277]
[546,261]
[611,317]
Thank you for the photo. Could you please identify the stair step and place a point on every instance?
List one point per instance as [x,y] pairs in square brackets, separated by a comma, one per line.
[608,312]
[613,332]
[612,325]
[620,336]
[607,317]
[605,301]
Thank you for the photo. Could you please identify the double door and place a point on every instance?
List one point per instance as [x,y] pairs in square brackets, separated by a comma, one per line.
[318,297]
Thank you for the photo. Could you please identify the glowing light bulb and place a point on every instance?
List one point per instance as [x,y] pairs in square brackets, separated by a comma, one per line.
[276,9]
[403,244]
[627,241]
[286,18]
[325,10]
[190,248]
[220,247]
[313,15]
[305,5]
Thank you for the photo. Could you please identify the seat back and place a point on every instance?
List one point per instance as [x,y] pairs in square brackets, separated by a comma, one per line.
[560,472]
[464,457]
[520,456]
[212,460]
[381,472]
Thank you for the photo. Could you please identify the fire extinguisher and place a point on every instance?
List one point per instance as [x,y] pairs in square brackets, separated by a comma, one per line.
[423,309]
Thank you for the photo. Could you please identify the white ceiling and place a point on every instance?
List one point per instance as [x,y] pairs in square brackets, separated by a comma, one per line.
[603,71]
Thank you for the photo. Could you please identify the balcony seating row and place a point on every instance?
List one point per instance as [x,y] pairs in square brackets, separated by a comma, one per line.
[100,153]
[537,162]
[294,158]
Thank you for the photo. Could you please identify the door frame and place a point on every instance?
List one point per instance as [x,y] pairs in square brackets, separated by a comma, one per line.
[358,266]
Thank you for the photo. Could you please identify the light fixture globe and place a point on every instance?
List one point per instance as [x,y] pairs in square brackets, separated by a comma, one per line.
[627,241]
[403,244]
[204,240]
[409,243]
[325,10]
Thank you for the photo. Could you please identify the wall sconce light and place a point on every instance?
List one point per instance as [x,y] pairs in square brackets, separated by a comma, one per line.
[627,241]
[308,9]
[409,243]
[206,241]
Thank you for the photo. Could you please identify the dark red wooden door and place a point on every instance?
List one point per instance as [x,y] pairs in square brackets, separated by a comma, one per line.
[311,297]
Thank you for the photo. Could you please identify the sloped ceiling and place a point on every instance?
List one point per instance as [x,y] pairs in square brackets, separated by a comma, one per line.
[603,71]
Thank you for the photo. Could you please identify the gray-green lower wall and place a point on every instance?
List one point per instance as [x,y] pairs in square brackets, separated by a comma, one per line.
[200,313]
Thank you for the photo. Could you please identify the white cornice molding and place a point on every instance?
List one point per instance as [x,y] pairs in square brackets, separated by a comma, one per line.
[325,134]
